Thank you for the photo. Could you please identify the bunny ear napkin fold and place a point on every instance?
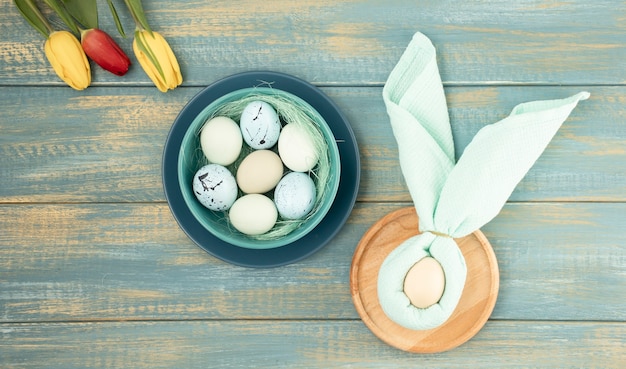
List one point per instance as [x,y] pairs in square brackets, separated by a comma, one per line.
[452,199]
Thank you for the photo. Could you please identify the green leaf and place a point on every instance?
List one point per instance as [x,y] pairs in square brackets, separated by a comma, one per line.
[63,14]
[84,11]
[136,10]
[116,18]
[33,15]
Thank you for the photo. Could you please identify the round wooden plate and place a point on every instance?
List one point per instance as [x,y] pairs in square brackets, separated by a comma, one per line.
[474,308]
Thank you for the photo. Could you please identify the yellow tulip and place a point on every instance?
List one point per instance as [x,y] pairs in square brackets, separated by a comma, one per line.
[157,59]
[68,59]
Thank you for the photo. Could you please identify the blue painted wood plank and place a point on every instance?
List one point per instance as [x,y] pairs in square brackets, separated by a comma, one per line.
[301,344]
[358,42]
[105,144]
[84,262]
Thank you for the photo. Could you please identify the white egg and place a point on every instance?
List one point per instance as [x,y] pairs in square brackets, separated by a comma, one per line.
[215,187]
[221,140]
[295,195]
[296,148]
[260,125]
[253,214]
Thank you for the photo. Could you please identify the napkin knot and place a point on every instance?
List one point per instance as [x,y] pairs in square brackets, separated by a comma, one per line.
[440,234]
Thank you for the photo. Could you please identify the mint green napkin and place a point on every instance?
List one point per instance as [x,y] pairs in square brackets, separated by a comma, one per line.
[452,199]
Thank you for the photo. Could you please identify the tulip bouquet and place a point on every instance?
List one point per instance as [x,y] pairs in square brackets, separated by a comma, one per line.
[68,56]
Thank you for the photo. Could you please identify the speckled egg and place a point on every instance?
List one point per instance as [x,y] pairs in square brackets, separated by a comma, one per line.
[215,187]
[253,214]
[295,195]
[260,125]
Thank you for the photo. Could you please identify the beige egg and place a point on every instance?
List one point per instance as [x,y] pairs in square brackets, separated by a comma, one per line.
[221,140]
[296,148]
[253,214]
[259,172]
[424,283]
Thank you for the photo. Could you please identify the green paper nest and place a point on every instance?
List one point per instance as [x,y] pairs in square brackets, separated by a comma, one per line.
[289,112]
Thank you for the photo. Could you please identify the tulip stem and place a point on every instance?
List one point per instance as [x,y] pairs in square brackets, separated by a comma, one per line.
[33,16]
[40,16]
[63,14]
[130,9]
[136,11]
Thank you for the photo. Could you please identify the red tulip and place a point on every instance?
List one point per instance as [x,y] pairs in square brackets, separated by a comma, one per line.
[102,49]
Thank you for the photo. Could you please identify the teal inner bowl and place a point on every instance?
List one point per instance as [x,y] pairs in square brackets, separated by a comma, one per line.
[190,159]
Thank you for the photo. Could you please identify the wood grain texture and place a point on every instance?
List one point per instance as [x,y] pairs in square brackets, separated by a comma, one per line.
[132,262]
[106,144]
[359,42]
[301,344]
[472,311]
[95,272]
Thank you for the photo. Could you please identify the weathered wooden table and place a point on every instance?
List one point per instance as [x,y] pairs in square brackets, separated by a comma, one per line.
[95,272]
